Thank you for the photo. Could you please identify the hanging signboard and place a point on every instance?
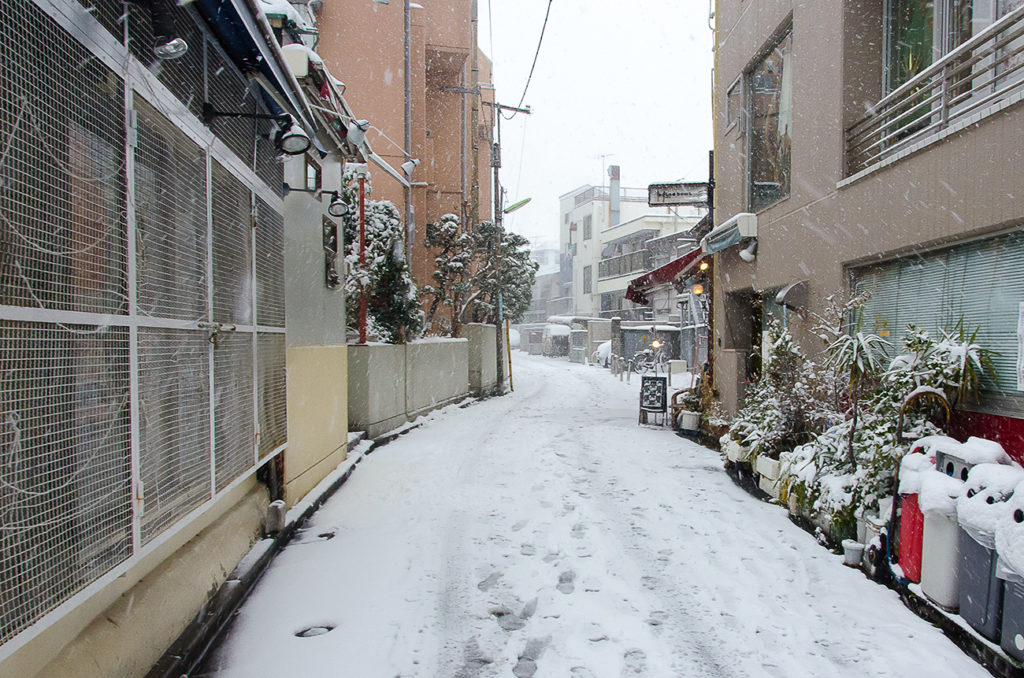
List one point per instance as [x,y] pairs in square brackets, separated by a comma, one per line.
[654,394]
[677,194]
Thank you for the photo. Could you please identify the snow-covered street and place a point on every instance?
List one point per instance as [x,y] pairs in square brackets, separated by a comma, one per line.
[547,534]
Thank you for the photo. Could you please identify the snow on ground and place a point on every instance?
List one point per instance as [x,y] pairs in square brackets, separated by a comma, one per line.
[547,534]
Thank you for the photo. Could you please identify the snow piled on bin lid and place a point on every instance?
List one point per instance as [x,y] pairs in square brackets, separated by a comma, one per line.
[929,445]
[982,451]
[982,504]
[1010,538]
[939,493]
[912,466]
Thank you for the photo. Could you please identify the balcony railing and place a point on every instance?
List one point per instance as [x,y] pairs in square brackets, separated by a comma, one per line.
[624,264]
[986,70]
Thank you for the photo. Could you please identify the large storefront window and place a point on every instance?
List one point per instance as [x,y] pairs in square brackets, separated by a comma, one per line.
[770,86]
[980,284]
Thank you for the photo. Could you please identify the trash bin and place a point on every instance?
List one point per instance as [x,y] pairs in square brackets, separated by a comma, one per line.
[940,544]
[979,510]
[1010,569]
[911,522]
[957,459]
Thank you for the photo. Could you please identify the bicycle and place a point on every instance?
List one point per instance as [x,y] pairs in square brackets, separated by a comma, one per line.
[649,359]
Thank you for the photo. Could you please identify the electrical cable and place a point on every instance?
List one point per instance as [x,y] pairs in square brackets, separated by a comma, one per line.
[534,65]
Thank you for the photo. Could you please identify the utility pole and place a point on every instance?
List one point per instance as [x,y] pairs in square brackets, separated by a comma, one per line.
[410,222]
[498,214]
[474,119]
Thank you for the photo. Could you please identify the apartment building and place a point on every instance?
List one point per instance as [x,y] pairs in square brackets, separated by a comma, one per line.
[871,145]
[363,43]
[609,235]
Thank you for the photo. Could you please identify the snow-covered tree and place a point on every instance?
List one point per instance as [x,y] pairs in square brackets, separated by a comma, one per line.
[393,311]
[452,269]
[503,265]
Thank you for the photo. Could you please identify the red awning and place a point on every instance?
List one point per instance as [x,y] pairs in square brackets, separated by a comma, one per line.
[639,287]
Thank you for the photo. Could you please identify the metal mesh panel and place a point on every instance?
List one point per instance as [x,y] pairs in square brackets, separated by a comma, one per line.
[232,250]
[269,265]
[235,431]
[273,405]
[109,13]
[65,501]
[170,195]
[184,75]
[62,201]
[269,165]
[174,422]
[229,92]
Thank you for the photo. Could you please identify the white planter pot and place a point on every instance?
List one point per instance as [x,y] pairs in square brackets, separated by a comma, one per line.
[689,421]
[736,452]
[853,552]
[771,487]
[769,468]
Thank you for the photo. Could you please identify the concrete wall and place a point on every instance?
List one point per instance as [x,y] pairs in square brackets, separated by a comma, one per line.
[124,627]
[389,384]
[483,368]
[317,359]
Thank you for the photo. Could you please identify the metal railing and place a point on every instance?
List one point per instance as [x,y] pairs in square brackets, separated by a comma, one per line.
[986,70]
[624,264]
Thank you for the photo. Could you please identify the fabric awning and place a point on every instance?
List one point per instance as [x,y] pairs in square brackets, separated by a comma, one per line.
[639,287]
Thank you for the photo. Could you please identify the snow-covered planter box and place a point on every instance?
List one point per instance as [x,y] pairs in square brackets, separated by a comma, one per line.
[771,487]
[767,467]
[736,452]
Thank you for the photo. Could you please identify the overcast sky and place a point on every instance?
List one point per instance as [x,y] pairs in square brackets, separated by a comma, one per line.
[630,80]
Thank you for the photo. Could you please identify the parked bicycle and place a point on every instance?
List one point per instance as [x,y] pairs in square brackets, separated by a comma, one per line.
[650,359]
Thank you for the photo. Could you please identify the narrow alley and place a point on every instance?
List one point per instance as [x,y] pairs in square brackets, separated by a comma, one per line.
[547,534]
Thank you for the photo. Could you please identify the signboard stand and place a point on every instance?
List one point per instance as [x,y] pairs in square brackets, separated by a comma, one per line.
[653,398]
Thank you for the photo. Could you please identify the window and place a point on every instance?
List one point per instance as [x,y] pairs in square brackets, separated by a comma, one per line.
[978,283]
[734,103]
[770,122]
[588,278]
[919,31]
[587,230]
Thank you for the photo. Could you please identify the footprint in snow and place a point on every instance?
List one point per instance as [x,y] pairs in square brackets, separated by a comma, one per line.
[520,525]
[634,662]
[527,664]
[566,582]
[488,584]
[528,549]
[579,530]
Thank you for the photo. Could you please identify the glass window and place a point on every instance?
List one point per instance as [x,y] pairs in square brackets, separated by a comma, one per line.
[734,103]
[769,105]
[587,279]
[587,224]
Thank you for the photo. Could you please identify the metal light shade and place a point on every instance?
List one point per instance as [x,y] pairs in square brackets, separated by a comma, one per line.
[173,49]
[292,139]
[338,207]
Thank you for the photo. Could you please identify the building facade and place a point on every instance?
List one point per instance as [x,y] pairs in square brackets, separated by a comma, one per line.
[866,146]
[363,43]
[162,333]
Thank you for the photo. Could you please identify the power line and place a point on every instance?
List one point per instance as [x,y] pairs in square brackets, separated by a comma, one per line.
[535,55]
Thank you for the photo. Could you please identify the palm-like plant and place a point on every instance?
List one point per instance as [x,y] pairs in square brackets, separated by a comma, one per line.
[857,354]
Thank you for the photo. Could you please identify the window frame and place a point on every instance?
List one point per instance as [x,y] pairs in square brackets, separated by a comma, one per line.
[784,32]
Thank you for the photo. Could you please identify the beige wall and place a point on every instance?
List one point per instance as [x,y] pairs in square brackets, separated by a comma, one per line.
[483,366]
[123,628]
[391,384]
[956,188]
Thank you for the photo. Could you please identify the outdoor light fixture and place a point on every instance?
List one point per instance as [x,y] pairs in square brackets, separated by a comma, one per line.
[704,265]
[289,139]
[409,165]
[337,206]
[356,134]
[167,44]
[697,289]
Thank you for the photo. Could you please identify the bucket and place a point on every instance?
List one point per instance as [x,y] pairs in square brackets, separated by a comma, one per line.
[853,552]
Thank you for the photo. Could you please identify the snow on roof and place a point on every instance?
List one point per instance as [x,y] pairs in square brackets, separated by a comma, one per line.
[557,330]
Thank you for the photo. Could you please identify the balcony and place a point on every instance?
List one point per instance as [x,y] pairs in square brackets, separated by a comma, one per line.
[624,264]
[977,79]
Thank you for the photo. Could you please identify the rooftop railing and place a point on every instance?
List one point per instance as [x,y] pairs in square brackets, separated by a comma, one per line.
[971,80]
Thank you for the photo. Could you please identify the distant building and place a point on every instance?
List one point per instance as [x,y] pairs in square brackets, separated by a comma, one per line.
[609,235]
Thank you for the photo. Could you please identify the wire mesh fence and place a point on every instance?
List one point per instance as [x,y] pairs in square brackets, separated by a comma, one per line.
[82,186]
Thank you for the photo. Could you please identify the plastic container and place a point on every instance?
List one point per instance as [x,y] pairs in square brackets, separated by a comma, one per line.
[979,511]
[940,544]
[1010,569]
[911,520]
